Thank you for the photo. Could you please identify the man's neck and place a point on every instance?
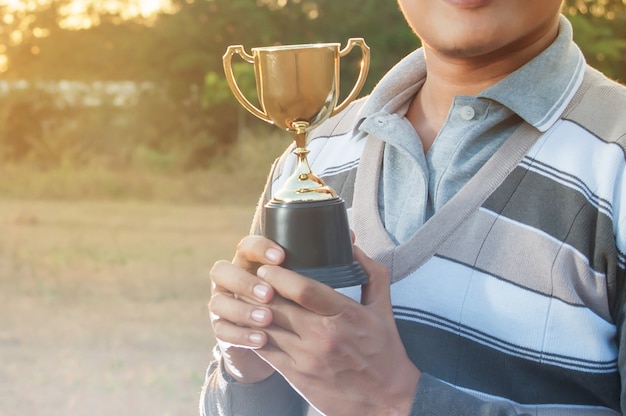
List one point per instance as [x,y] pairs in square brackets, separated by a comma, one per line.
[448,77]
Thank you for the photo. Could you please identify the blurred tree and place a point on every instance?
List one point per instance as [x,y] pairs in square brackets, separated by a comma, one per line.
[600,31]
[609,9]
[189,110]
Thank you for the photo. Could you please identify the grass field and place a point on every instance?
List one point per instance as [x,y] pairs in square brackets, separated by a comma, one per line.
[103,304]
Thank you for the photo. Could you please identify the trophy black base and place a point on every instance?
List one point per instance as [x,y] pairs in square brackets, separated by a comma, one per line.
[337,276]
[316,239]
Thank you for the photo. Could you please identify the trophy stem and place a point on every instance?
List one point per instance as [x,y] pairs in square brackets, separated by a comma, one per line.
[303,185]
[299,133]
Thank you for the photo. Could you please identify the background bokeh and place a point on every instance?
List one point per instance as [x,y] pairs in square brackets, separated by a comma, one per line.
[127,168]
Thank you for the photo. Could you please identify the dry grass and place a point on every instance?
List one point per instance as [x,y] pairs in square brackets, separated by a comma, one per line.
[103,304]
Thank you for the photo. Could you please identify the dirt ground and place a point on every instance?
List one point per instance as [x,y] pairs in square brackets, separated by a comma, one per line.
[103,305]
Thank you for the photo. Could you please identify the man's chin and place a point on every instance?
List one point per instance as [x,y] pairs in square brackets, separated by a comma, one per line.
[462,50]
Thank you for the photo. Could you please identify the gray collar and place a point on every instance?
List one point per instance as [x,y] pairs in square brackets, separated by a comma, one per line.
[553,77]
[541,108]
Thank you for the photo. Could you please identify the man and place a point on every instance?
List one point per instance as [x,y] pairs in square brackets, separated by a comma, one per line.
[484,179]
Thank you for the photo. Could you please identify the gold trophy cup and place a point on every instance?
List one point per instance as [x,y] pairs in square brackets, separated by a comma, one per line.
[298,88]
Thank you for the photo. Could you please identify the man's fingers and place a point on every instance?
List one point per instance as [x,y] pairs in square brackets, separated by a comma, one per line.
[224,307]
[254,250]
[230,334]
[238,323]
[280,343]
[317,297]
[226,277]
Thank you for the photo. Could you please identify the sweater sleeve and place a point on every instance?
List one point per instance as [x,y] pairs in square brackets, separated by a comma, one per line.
[433,397]
[222,395]
[621,339]
[436,398]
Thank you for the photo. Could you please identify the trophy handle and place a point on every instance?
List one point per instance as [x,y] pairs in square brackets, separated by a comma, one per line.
[232,83]
[365,66]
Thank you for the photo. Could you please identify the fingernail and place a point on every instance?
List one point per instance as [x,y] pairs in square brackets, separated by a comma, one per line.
[273,254]
[261,272]
[256,338]
[260,291]
[258,315]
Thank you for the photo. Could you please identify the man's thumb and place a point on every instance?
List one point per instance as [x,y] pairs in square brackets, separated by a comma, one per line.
[376,291]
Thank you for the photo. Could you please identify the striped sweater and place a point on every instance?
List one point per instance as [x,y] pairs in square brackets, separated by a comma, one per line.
[510,297]
[513,290]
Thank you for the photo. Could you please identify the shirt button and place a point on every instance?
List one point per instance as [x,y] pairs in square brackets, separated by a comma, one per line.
[381,123]
[467,112]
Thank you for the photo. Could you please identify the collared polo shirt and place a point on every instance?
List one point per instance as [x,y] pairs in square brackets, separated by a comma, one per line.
[414,185]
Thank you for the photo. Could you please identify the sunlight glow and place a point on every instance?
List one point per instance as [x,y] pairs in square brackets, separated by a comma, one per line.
[4,61]
[83,14]
[18,19]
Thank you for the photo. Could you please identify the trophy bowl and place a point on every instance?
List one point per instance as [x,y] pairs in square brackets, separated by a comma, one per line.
[298,88]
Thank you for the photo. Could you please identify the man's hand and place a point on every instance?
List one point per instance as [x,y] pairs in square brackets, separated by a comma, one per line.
[238,307]
[345,358]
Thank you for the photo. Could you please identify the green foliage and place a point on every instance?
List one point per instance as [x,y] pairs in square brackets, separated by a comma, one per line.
[217,91]
[603,41]
[604,45]
[609,9]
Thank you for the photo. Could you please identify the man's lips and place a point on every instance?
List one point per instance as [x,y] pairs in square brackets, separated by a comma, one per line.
[468,4]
